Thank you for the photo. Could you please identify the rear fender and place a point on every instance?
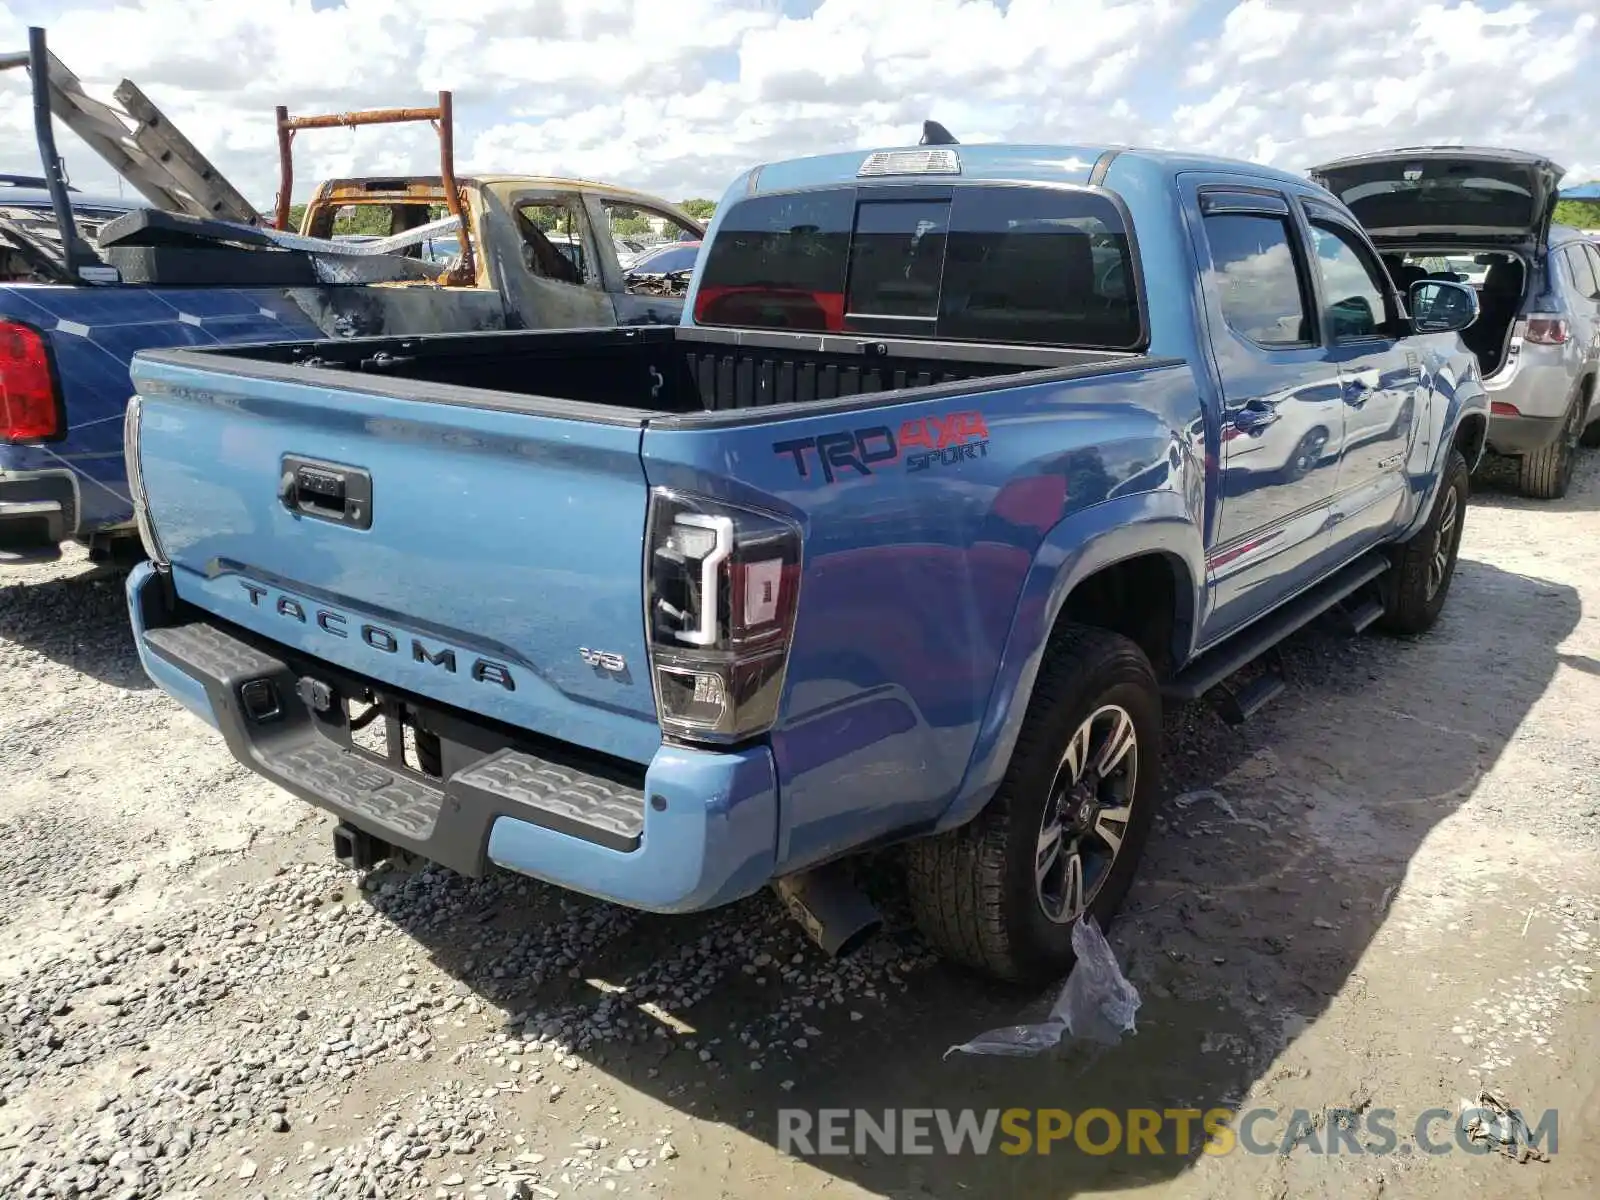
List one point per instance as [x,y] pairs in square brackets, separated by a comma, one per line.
[1085,542]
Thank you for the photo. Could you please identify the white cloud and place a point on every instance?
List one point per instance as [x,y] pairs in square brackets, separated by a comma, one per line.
[1364,77]
[680,98]
[1257,30]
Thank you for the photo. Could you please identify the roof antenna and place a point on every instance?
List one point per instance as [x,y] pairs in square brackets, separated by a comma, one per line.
[935,134]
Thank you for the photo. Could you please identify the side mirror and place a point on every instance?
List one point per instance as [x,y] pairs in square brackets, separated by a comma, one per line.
[1439,306]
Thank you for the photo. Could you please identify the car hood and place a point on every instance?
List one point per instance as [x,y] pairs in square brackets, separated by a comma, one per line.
[1448,194]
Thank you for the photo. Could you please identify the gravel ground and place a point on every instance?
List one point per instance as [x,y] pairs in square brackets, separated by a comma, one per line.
[1383,892]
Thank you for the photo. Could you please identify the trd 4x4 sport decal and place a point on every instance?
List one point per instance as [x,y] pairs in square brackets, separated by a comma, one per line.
[922,442]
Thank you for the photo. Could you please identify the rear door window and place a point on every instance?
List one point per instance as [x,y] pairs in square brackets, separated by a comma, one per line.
[1593,254]
[1257,279]
[1025,265]
[1582,272]
[552,234]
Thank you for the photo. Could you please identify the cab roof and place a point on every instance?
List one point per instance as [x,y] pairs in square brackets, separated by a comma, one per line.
[23,196]
[1020,162]
[387,189]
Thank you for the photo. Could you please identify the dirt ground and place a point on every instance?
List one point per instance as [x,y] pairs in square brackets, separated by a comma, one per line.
[1382,893]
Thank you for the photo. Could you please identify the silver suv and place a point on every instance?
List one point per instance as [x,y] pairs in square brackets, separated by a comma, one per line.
[1483,217]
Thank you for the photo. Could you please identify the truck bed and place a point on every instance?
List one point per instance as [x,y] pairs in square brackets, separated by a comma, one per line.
[630,375]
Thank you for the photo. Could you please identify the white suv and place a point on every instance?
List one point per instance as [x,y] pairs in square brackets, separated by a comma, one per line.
[1537,336]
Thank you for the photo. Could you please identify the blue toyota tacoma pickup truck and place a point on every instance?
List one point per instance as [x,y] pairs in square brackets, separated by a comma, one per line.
[962,460]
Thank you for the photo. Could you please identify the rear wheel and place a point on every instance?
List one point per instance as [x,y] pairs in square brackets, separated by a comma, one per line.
[1064,833]
[1414,589]
[1590,436]
[1545,474]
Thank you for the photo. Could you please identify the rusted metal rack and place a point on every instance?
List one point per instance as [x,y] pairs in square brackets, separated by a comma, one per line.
[440,117]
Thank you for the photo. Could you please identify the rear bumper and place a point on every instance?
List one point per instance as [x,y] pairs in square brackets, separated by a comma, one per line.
[693,830]
[1539,382]
[38,510]
[1522,435]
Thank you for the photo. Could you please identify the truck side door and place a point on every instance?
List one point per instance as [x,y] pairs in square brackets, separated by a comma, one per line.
[1281,418]
[546,258]
[636,304]
[1379,378]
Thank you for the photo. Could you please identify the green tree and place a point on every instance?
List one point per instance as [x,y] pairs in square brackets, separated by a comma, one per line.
[700,210]
[549,218]
[1584,214]
[626,221]
[374,219]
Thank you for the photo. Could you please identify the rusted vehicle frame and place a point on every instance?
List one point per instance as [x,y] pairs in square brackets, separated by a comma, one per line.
[442,117]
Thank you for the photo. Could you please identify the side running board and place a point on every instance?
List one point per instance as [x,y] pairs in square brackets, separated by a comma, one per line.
[1250,643]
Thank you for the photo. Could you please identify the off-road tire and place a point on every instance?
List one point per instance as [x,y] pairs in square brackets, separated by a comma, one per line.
[1545,474]
[1409,607]
[972,889]
[1590,437]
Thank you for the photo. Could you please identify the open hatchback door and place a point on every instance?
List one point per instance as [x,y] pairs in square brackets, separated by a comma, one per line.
[1448,193]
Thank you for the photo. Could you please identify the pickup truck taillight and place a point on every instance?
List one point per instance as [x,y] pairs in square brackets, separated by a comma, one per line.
[132,436]
[721,585]
[30,407]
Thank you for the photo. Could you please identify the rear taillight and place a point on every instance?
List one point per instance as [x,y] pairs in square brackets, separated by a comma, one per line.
[1500,408]
[1546,331]
[132,445]
[29,408]
[721,586]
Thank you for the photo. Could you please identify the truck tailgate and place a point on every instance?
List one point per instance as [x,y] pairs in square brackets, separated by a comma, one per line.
[494,549]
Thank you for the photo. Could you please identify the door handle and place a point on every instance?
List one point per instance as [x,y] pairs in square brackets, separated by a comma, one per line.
[1252,419]
[330,491]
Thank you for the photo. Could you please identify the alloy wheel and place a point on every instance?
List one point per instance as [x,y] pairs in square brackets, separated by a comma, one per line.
[1445,536]
[1087,813]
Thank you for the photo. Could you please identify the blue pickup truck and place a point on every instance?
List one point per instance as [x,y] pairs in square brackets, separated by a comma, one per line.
[57,473]
[963,459]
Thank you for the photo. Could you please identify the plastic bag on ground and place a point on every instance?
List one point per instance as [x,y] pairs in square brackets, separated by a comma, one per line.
[1097,1004]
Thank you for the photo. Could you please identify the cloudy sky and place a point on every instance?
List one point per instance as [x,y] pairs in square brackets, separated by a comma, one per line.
[679,96]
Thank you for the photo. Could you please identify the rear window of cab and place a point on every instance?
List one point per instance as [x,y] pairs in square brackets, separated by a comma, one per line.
[990,263]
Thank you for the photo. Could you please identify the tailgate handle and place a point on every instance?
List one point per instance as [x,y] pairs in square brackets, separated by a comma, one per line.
[328,491]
